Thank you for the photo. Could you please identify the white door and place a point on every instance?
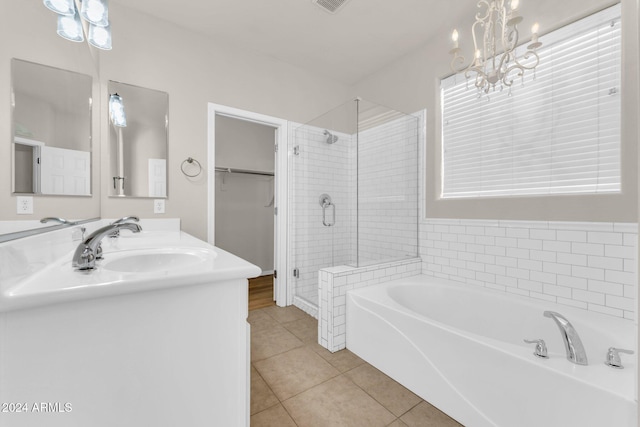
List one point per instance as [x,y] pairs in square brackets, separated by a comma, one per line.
[157,178]
[64,171]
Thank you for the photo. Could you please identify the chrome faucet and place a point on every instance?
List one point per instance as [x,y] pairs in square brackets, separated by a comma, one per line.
[125,219]
[89,250]
[122,220]
[572,343]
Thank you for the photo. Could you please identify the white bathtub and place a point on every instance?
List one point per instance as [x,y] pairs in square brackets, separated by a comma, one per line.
[461,348]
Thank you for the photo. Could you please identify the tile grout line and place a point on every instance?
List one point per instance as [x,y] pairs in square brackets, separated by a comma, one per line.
[280,402]
[380,403]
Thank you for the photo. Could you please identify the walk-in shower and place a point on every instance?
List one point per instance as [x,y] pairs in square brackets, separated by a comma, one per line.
[355,192]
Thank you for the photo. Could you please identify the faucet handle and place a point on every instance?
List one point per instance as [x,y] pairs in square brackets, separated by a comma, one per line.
[613,357]
[541,348]
[85,260]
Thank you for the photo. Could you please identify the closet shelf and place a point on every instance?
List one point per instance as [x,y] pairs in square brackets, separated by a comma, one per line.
[246,171]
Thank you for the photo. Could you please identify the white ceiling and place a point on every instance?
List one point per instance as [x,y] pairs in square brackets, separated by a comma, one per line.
[360,39]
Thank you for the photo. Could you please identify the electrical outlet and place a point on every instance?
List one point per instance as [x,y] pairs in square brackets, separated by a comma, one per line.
[24,205]
[158,206]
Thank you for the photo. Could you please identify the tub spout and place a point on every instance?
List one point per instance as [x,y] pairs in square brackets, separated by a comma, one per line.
[572,343]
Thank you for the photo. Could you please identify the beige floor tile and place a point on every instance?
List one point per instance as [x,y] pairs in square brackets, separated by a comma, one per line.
[260,320]
[426,415]
[276,416]
[285,314]
[389,393]
[337,403]
[269,342]
[261,395]
[342,360]
[397,423]
[295,371]
[305,328]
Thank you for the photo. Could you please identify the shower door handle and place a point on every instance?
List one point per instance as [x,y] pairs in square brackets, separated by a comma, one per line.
[325,202]
[324,214]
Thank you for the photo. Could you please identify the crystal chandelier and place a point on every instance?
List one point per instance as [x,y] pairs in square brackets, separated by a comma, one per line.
[495,38]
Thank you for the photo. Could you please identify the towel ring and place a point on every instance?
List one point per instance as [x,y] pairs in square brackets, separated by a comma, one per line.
[191,161]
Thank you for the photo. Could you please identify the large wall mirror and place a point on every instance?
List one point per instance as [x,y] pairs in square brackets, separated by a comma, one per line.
[51,130]
[138,123]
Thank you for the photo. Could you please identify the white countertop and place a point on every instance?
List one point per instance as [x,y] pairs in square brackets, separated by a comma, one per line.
[55,281]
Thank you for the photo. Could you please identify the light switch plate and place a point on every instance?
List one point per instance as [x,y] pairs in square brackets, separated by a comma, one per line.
[158,206]
[24,205]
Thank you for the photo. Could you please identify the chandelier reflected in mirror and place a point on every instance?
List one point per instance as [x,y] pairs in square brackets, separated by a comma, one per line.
[495,39]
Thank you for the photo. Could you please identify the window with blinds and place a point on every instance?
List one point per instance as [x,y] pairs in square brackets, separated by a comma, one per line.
[555,132]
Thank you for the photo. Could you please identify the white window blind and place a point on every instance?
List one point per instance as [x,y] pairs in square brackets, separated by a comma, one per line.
[557,132]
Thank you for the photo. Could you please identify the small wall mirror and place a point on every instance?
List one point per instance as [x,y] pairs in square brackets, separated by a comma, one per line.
[51,130]
[138,123]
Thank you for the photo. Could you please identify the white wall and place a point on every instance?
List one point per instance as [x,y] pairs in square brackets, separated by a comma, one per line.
[27,31]
[192,69]
[412,84]
[244,145]
[244,214]
[520,247]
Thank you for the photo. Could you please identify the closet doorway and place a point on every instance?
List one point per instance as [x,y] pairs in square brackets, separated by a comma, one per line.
[246,195]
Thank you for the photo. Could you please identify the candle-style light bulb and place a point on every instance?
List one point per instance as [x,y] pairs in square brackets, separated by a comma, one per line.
[478,56]
[515,4]
[454,37]
[534,37]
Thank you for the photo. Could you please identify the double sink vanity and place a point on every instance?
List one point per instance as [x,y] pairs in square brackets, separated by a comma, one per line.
[154,334]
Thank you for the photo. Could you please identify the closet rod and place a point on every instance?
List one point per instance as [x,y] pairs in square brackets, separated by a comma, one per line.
[247,171]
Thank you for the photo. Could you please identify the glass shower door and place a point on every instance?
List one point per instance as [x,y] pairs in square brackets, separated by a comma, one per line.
[322,201]
[354,192]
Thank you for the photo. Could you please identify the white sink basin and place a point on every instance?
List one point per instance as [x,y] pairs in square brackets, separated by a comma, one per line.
[156,260]
[140,262]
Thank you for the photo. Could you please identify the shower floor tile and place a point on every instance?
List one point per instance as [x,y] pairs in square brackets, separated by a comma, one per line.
[296,382]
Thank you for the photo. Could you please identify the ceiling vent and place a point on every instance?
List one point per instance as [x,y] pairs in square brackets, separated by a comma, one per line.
[331,6]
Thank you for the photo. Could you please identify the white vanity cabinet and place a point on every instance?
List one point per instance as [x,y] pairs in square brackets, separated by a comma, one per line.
[164,351]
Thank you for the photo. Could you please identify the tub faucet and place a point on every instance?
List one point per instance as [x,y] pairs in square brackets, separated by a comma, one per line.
[572,343]
[88,251]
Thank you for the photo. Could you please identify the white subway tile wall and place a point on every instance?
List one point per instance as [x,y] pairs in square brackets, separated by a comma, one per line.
[586,265]
[388,191]
[379,208]
[320,168]
[334,284]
